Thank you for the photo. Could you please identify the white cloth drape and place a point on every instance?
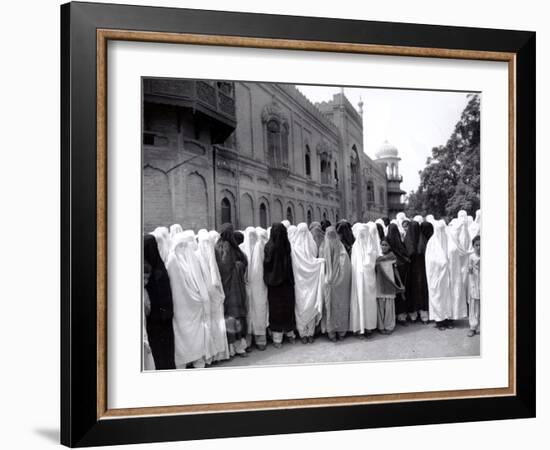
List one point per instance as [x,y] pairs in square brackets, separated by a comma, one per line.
[175,229]
[291,231]
[258,311]
[219,348]
[437,274]
[363,308]
[308,280]
[191,301]
[458,245]
[162,236]
[384,227]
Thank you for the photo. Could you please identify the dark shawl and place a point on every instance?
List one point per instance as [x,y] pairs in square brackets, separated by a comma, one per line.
[416,285]
[159,321]
[343,228]
[397,247]
[325,224]
[426,232]
[380,229]
[239,237]
[232,264]
[421,299]
[393,238]
[277,259]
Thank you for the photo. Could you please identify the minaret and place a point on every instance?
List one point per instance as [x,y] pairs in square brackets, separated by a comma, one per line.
[360,104]
[388,158]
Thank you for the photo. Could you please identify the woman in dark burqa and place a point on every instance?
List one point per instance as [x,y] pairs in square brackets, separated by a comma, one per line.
[232,264]
[343,228]
[393,237]
[325,224]
[426,232]
[279,279]
[159,321]
[416,279]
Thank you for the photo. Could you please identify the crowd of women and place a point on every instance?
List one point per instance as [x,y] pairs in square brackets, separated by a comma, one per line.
[210,296]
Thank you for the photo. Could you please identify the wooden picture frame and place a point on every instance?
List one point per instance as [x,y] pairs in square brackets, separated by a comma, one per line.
[85,417]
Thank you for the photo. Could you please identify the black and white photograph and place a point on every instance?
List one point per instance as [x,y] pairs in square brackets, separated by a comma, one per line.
[301,224]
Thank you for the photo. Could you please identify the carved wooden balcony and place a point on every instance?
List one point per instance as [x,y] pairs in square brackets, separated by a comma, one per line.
[212,101]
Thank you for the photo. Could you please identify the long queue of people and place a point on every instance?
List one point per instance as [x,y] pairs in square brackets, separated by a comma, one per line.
[211,296]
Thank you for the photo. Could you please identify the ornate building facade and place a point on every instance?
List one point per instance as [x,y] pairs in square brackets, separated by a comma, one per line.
[254,154]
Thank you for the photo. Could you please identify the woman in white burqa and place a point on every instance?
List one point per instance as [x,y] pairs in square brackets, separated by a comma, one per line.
[162,236]
[191,302]
[437,275]
[257,320]
[458,251]
[219,347]
[308,282]
[363,308]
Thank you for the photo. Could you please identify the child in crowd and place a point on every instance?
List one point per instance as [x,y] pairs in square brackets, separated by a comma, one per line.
[388,284]
[473,286]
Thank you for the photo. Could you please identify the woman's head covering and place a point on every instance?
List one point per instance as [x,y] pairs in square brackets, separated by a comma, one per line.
[436,250]
[474,226]
[411,238]
[314,224]
[175,229]
[286,223]
[207,254]
[214,236]
[277,260]
[158,286]
[239,237]
[162,235]
[418,218]
[303,241]
[291,231]
[249,242]
[375,238]
[262,234]
[426,232]
[430,218]
[330,251]
[325,224]
[394,240]
[317,233]
[459,233]
[381,228]
[227,234]
[343,228]
[364,249]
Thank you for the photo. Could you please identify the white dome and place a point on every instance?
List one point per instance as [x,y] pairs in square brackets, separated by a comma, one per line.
[387,150]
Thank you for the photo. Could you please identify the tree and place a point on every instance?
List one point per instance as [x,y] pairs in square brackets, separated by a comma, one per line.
[451,179]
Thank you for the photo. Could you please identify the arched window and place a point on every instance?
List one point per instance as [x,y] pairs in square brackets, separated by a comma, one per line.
[370,192]
[309,217]
[289,215]
[324,215]
[263,215]
[277,143]
[308,161]
[226,210]
[336,173]
[325,174]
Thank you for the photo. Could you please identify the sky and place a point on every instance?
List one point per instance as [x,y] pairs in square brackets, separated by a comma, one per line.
[414,121]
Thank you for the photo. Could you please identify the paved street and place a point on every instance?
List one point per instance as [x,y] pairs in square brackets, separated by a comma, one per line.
[413,341]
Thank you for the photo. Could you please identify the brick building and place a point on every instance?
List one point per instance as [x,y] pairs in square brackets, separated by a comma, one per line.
[256,153]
